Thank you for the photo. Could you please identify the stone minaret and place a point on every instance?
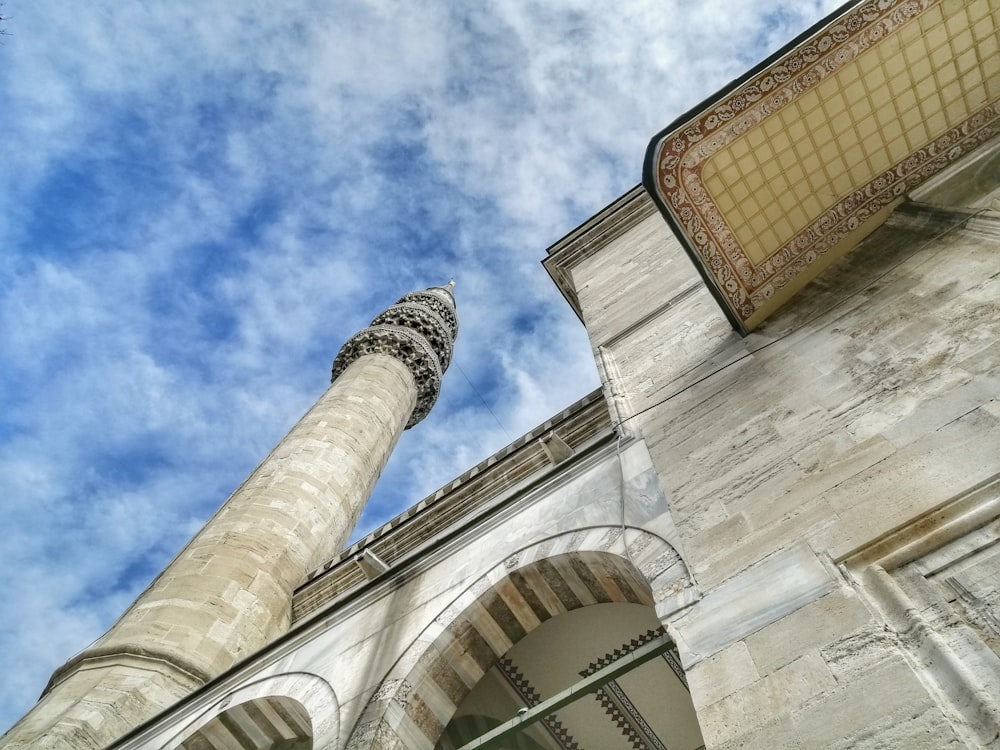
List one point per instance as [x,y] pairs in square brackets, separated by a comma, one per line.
[228,592]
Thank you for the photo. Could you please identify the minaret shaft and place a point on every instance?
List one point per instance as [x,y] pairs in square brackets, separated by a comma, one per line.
[295,512]
[229,591]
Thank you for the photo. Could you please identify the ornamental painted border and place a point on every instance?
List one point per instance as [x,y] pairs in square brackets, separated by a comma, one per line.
[677,156]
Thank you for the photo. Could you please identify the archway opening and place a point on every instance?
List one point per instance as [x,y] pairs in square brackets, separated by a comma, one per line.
[268,723]
[646,706]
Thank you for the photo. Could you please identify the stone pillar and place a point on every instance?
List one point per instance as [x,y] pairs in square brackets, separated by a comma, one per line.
[228,592]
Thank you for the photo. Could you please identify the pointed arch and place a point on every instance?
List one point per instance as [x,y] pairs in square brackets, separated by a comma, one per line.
[562,573]
[294,706]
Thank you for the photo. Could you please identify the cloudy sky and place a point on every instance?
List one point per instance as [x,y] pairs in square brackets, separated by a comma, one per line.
[199,202]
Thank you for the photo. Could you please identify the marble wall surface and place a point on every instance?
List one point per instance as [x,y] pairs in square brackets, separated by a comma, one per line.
[865,405]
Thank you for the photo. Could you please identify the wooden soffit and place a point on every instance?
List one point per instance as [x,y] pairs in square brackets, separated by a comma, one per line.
[791,166]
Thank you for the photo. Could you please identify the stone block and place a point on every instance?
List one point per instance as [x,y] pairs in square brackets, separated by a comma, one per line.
[720,675]
[775,735]
[915,479]
[927,730]
[872,708]
[812,524]
[956,395]
[982,359]
[860,652]
[817,624]
[824,467]
[724,535]
[761,595]
[768,699]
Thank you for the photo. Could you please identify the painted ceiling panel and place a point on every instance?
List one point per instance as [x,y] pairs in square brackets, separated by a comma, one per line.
[778,176]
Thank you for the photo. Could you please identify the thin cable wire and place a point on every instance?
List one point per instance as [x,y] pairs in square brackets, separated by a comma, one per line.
[476,391]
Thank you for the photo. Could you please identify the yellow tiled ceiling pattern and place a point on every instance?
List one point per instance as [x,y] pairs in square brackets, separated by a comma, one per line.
[776,179]
[855,124]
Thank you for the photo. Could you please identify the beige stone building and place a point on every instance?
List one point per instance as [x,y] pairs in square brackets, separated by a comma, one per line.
[775,525]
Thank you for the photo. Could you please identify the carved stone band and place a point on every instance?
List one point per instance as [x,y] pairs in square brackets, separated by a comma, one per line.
[423,320]
[434,299]
[419,330]
[406,345]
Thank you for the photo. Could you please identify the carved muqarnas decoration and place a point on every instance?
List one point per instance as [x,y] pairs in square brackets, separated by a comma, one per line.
[419,330]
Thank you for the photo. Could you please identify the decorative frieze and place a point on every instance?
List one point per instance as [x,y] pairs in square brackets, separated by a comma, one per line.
[419,330]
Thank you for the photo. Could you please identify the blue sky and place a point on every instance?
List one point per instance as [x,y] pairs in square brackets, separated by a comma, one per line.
[200,202]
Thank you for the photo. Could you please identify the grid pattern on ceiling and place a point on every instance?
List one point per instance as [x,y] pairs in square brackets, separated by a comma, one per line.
[883,105]
[777,178]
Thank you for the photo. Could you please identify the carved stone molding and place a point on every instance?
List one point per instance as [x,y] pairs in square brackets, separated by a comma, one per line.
[419,330]
[424,321]
[440,300]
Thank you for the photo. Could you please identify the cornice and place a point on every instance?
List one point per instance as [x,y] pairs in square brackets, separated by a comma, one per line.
[606,225]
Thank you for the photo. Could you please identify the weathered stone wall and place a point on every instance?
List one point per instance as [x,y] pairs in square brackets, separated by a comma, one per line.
[867,402]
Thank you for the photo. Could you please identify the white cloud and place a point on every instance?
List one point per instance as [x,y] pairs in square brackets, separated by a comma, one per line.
[200,203]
